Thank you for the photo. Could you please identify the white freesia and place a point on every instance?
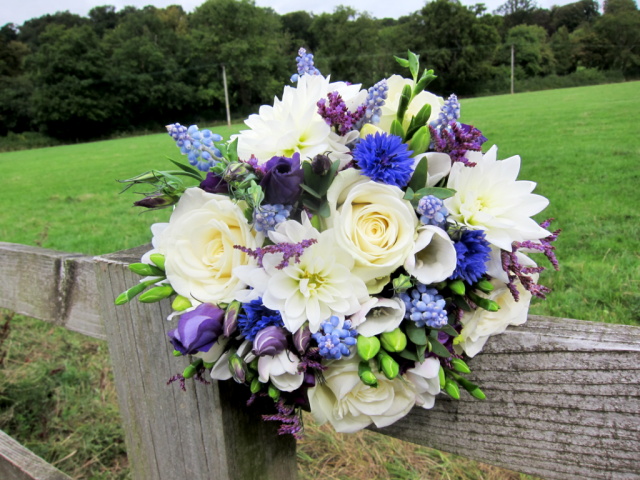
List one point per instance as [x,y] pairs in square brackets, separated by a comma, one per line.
[320,286]
[481,324]
[426,381]
[350,405]
[372,223]
[489,198]
[390,108]
[294,125]
[433,258]
[281,370]
[198,246]
[156,231]
[378,315]
[438,166]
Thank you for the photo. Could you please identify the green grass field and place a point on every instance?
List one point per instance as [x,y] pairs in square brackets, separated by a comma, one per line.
[56,394]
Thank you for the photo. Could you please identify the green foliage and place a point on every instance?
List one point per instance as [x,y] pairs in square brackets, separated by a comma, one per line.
[532,53]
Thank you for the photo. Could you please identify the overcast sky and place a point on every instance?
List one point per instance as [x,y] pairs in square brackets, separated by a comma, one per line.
[21,10]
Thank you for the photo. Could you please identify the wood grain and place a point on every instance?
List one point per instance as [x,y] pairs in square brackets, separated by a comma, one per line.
[563,402]
[206,432]
[18,463]
[56,287]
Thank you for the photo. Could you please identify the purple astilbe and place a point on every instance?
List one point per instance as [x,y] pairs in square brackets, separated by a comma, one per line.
[288,250]
[515,271]
[257,168]
[177,377]
[456,140]
[311,359]
[290,418]
[337,115]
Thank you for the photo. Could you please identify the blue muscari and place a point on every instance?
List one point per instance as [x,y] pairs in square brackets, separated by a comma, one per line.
[375,100]
[334,342]
[425,306]
[384,158]
[473,253]
[257,317]
[432,211]
[305,65]
[196,144]
[266,217]
[450,112]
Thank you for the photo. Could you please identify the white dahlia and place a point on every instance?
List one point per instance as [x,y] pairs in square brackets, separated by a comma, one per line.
[489,198]
[294,125]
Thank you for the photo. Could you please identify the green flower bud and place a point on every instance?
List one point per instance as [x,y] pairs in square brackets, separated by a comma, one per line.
[127,296]
[457,287]
[388,365]
[441,377]
[368,347]
[396,129]
[156,294]
[402,283]
[238,368]
[208,365]
[231,318]
[395,341]
[485,303]
[254,364]
[452,389]
[477,393]
[403,104]
[420,141]
[484,285]
[146,270]
[460,366]
[192,369]
[273,392]
[180,304]
[176,353]
[158,259]
[366,375]
[256,386]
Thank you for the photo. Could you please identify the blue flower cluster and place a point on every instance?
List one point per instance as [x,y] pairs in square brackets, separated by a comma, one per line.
[375,100]
[197,145]
[305,65]
[472,251]
[334,342]
[425,306]
[432,211]
[267,217]
[257,317]
[385,159]
[450,112]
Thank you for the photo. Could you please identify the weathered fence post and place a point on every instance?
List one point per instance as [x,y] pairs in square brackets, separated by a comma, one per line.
[205,433]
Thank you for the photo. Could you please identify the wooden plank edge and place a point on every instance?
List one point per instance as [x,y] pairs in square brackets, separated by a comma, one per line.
[20,463]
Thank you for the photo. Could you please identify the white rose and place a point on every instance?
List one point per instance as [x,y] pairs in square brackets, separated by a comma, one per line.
[390,109]
[350,405]
[426,381]
[378,315]
[480,324]
[198,246]
[372,223]
[282,370]
[433,258]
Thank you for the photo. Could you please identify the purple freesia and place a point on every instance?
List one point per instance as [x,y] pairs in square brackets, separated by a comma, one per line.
[214,184]
[282,180]
[270,341]
[198,329]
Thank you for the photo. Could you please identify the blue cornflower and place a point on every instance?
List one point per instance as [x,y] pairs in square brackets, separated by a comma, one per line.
[473,252]
[256,317]
[334,342]
[425,306]
[266,217]
[385,159]
[432,211]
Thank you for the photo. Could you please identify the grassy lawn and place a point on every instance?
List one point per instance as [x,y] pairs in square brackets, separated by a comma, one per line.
[56,393]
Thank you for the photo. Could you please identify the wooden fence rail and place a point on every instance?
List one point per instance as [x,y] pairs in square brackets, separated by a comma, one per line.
[563,396]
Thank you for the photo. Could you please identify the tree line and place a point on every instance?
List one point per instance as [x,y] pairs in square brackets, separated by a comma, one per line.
[74,77]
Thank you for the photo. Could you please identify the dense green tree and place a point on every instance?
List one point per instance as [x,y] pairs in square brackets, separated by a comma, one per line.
[31,30]
[562,49]
[613,7]
[575,14]
[297,25]
[532,53]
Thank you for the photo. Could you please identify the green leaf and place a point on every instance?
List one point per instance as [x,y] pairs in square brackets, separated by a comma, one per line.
[223,149]
[403,62]
[310,203]
[327,179]
[396,129]
[409,355]
[248,214]
[441,193]
[416,334]
[439,349]
[409,194]
[403,104]
[324,210]
[419,178]
[232,152]
[186,168]
[449,330]
[414,64]
[461,303]
[420,141]
[421,349]
[310,190]
[311,179]
[423,115]
[425,80]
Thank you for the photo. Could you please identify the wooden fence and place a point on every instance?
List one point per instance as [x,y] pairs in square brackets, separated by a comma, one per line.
[563,396]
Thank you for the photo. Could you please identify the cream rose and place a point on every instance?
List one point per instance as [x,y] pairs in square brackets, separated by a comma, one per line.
[198,246]
[390,109]
[350,405]
[372,223]
[482,324]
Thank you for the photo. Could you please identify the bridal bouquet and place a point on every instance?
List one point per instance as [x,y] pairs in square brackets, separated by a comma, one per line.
[345,253]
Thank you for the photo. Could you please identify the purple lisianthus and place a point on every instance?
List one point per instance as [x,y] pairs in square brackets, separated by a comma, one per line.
[198,329]
[282,180]
[214,184]
[270,341]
